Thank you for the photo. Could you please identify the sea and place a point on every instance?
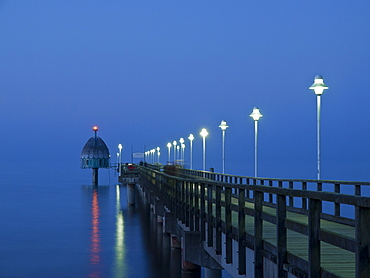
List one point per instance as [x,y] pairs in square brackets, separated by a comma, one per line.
[54,223]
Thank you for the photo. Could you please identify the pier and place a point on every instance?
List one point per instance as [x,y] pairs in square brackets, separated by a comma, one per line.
[260,227]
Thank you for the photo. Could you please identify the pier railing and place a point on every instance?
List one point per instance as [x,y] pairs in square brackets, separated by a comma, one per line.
[299,225]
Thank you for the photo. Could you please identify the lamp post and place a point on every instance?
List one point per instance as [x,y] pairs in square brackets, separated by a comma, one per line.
[174,143]
[223,127]
[169,145]
[153,155]
[181,151]
[204,134]
[318,86]
[178,153]
[191,138]
[256,115]
[117,163]
[158,153]
[120,158]
[183,154]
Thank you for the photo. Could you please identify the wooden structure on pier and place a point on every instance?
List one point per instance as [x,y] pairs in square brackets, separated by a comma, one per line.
[258,227]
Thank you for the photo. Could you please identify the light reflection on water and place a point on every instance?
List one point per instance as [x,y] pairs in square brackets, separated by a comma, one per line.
[95,234]
[51,226]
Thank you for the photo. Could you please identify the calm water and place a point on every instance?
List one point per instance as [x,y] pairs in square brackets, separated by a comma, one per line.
[52,224]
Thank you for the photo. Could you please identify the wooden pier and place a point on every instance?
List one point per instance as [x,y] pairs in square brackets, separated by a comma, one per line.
[258,227]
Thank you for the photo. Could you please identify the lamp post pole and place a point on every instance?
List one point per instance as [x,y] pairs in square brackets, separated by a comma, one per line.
[191,138]
[182,150]
[169,145]
[256,115]
[204,133]
[120,158]
[174,143]
[158,153]
[318,86]
[223,127]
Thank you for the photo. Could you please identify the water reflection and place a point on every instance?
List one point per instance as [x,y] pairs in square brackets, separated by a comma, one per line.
[95,248]
[120,250]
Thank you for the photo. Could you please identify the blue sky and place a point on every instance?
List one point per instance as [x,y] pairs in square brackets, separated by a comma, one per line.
[150,72]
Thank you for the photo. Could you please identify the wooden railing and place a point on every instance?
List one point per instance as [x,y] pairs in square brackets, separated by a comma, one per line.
[218,203]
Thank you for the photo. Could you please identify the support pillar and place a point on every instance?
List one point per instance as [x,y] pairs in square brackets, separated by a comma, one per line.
[186,265]
[95,176]
[212,273]
[131,194]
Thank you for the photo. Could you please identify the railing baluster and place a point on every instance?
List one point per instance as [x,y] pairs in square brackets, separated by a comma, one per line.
[228,220]
[209,216]
[191,206]
[314,257]
[304,200]
[203,211]
[337,205]
[362,242]
[281,235]
[241,235]
[218,221]
[270,194]
[196,206]
[291,200]
[258,230]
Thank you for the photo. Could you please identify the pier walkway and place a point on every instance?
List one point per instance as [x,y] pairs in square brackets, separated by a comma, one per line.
[260,227]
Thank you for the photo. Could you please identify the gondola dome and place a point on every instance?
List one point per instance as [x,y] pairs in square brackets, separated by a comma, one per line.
[95,153]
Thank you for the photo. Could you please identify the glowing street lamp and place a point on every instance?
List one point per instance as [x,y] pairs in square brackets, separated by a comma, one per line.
[191,138]
[158,152]
[174,143]
[318,86]
[256,115]
[120,158]
[152,151]
[204,134]
[223,127]
[182,153]
[169,145]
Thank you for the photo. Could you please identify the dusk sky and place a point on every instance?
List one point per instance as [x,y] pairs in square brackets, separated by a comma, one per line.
[150,72]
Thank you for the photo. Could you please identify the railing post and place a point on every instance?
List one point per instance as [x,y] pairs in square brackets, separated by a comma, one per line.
[203,212]
[228,220]
[314,257]
[191,206]
[304,200]
[218,221]
[209,216]
[362,242]
[281,235]
[196,206]
[187,204]
[258,230]
[270,194]
[241,235]
[337,205]
[291,200]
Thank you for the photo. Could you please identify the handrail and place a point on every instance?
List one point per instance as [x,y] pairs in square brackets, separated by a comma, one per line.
[190,196]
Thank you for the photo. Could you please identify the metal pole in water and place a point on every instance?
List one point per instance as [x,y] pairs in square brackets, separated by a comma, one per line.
[95,176]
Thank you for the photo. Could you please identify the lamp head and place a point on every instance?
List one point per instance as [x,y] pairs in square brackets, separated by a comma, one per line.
[169,145]
[182,140]
[174,143]
[191,137]
[223,125]
[204,133]
[256,115]
[318,86]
